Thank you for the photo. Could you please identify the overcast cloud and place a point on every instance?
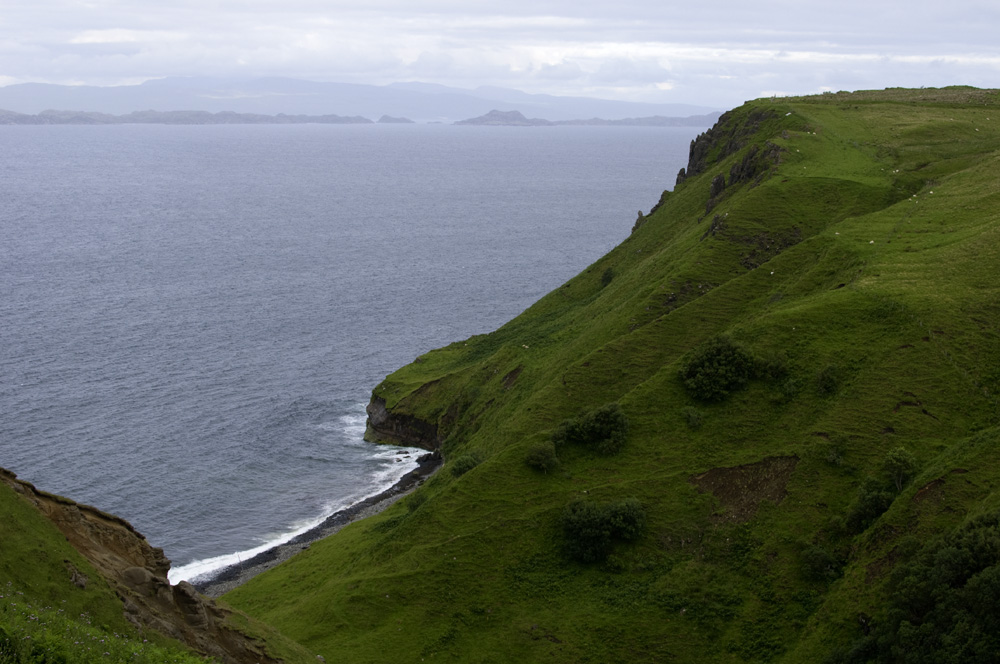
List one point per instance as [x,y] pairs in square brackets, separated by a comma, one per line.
[716,53]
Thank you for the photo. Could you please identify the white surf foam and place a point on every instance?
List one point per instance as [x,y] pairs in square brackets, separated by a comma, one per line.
[389,472]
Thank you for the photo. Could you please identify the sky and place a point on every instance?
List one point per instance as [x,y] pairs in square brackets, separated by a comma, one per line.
[717,53]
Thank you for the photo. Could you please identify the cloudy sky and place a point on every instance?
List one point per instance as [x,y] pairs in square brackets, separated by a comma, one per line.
[718,52]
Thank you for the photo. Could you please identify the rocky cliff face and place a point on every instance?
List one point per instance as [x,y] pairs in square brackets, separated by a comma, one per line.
[386,426]
[138,574]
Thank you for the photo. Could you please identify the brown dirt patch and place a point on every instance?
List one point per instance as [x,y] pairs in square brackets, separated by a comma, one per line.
[929,491]
[508,380]
[934,490]
[741,489]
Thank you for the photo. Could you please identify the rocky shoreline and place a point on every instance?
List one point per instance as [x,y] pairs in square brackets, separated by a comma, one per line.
[235,575]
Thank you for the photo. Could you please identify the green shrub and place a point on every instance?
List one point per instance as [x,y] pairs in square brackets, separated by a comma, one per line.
[415,500]
[543,457]
[628,519]
[592,528]
[818,564]
[607,276]
[944,603]
[771,365]
[835,453]
[871,502]
[464,464]
[8,649]
[693,417]
[828,380]
[605,429]
[789,389]
[717,369]
[899,466]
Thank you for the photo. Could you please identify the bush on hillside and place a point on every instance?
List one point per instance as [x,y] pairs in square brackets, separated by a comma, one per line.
[543,457]
[899,466]
[876,495]
[871,502]
[828,380]
[464,464]
[604,429]
[717,369]
[592,528]
[818,564]
[693,417]
[944,603]
[771,365]
[607,276]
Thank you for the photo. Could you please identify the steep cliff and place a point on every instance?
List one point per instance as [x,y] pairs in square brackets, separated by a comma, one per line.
[136,572]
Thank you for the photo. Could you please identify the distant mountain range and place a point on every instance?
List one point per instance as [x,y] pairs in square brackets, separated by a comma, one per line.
[493,118]
[178,117]
[422,102]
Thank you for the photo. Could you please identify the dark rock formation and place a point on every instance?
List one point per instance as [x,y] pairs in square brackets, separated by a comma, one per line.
[755,164]
[715,190]
[401,429]
[726,137]
[717,226]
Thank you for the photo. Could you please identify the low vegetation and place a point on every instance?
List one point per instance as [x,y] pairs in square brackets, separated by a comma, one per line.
[591,528]
[943,603]
[717,369]
[33,634]
[542,456]
[603,429]
[792,376]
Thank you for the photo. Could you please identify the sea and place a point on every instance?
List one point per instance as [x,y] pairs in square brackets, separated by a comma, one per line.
[192,318]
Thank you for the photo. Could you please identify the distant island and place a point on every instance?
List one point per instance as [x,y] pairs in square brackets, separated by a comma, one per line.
[517,119]
[177,118]
[493,118]
[506,119]
[388,119]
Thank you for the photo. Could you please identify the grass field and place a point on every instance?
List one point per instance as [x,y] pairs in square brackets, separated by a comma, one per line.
[854,253]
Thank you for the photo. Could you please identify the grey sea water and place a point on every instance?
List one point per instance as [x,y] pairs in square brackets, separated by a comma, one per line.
[192,318]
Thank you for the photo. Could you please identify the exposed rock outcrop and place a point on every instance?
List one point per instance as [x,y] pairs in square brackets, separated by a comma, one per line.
[385,426]
[726,137]
[138,574]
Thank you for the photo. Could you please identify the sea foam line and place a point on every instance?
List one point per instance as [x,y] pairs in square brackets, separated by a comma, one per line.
[198,569]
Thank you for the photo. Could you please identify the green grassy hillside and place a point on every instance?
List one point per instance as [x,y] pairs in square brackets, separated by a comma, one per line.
[825,278]
[65,595]
[55,607]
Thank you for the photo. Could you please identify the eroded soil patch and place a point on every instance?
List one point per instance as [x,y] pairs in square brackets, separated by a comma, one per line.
[741,489]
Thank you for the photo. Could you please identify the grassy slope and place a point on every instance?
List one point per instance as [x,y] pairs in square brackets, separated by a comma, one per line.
[43,610]
[862,270]
[36,572]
